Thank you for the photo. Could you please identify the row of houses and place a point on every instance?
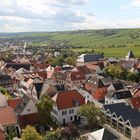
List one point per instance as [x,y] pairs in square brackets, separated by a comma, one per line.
[69,87]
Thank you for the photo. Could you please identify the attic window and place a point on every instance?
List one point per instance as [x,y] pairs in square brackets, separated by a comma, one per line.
[28,110]
[76,102]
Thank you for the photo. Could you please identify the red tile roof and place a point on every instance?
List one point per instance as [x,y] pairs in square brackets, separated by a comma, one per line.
[68,99]
[135,102]
[7,116]
[83,69]
[57,69]
[100,93]
[42,74]
[30,119]
[14,102]
[76,75]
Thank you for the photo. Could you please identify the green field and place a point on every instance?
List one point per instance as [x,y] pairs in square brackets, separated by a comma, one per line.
[112,42]
[112,52]
[84,38]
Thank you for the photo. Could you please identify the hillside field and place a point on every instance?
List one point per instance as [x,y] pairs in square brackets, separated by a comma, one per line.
[112,52]
[112,42]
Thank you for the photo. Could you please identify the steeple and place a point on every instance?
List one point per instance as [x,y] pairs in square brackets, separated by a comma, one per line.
[130,55]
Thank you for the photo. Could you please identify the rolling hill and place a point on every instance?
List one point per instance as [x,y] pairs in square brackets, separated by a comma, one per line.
[81,38]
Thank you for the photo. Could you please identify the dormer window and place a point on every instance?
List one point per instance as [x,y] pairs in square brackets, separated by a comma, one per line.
[76,102]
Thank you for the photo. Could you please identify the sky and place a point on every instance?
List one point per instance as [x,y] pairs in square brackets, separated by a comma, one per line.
[61,15]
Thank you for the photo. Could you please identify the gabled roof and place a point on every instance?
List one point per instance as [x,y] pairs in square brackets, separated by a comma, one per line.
[126,112]
[102,134]
[68,99]
[135,102]
[96,65]
[7,116]
[95,81]
[100,94]
[118,86]
[89,57]
[76,75]
[130,55]
[122,94]
[82,69]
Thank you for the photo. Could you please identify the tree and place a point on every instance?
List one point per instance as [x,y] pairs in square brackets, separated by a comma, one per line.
[93,115]
[116,71]
[44,107]
[56,61]
[30,133]
[70,132]
[132,76]
[70,60]
[54,135]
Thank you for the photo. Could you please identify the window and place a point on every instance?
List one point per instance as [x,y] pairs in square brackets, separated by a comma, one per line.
[64,112]
[71,118]
[71,111]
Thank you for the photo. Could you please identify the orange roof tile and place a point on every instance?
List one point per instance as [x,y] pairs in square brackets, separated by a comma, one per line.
[7,116]
[68,99]
[14,102]
[100,93]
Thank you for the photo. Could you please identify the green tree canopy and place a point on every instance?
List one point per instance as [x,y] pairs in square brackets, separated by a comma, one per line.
[132,76]
[70,60]
[54,135]
[93,115]
[116,71]
[44,107]
[30,133]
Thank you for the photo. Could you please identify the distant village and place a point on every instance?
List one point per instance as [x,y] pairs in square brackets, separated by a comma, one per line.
[111,84]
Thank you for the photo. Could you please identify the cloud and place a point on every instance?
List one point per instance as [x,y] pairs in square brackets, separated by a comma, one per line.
[132,3]
[52,15]
[35,12]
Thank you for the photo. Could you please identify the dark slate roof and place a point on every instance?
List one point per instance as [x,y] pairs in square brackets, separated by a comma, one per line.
[5,78]
[17,66]
[126,112]
[118,86]
[92,57]
[108,135]
[122,94]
